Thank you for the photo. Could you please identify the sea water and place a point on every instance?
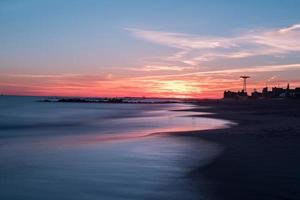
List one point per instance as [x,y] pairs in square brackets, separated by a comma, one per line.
[99,151]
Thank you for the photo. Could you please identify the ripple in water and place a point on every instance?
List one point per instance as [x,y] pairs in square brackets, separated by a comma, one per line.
[104,155]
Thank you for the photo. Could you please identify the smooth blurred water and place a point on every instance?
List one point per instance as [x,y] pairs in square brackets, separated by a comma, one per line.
[99,151]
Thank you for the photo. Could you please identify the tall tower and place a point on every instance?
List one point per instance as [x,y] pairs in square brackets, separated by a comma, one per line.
[245,82]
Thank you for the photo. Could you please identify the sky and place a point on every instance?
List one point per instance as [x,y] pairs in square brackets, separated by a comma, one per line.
[150,48]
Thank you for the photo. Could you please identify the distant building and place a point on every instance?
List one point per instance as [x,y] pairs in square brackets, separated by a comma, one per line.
[235,95]
[276,92]
[266,93]
[255,94]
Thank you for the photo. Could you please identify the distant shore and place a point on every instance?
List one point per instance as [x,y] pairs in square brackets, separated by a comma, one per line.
[133,100]
[261,154]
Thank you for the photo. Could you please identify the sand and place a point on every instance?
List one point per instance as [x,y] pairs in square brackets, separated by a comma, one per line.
[261,156]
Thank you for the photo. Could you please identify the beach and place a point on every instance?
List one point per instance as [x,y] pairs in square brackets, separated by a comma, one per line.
[150,100]
[212,149]
[260,157]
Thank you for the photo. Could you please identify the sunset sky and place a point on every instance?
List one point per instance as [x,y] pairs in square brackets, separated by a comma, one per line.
[152,48]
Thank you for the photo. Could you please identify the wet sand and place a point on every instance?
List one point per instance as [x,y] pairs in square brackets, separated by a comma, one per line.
[256,159]
[261,155]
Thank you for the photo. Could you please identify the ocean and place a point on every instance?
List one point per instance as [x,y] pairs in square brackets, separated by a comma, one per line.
[104,151]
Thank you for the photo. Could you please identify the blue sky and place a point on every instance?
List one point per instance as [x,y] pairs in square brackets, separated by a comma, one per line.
[128,38]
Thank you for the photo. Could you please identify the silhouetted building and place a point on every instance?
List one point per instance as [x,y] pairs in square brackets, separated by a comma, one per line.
[256,95]
[230,95]
[276,92]
[235,95]
[242,93]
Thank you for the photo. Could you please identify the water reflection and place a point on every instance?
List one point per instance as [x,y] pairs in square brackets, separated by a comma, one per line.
[149,168]
[110,154]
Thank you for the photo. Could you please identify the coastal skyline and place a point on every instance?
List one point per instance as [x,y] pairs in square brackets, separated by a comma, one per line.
[193,49]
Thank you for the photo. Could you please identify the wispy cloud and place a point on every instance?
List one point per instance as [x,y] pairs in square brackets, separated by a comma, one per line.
[252,69]
[181,74]
[290,28]
[182,41]
[194,49]
[151,68]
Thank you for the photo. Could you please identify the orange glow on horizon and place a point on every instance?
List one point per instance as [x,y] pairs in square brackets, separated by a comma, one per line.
[176,86]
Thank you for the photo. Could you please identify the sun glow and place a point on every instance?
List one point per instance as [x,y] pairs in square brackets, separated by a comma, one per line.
[178,86]
[175,88]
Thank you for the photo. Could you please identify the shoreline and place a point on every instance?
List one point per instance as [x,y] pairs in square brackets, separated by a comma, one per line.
[258,157]
[261,153]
